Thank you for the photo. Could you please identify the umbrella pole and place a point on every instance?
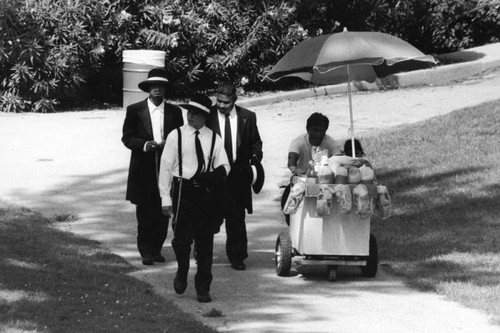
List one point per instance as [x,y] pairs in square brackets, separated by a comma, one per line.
[350,111]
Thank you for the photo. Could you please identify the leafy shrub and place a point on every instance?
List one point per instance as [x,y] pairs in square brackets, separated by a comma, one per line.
[48,49]
[208,41]
[433,26]
[458,24]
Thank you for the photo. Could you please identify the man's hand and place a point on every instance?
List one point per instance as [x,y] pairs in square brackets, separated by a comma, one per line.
[167,211]
[152,146]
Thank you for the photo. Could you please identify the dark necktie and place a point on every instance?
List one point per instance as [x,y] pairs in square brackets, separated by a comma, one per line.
[199,153]
[227,140]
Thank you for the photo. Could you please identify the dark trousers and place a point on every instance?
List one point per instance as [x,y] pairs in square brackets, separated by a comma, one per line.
[192,222]
[234,215]
[152,226]
[236,231]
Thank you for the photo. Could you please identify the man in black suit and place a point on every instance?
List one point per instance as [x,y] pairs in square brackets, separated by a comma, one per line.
[147,124]
[243,147]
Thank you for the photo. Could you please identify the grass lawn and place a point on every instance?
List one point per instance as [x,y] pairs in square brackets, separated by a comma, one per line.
[51,281]
[444,178]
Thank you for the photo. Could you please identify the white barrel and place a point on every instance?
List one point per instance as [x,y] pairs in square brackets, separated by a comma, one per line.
[136,66]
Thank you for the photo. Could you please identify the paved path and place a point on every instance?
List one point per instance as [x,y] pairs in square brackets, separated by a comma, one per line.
[75,163]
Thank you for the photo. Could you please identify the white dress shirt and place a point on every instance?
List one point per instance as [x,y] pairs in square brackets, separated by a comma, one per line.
[156,113]
[169,163]
[233,120]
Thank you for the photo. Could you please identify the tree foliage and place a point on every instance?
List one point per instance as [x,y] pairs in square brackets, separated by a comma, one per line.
[55,54]
[47,50]
[208,41]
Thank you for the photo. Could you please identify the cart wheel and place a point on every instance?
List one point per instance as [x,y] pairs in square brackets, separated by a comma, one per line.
[370,270]
[332,273]
[283,254]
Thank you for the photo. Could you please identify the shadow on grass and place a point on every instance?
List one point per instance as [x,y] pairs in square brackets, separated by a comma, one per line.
[53,281]
[430,220]
[445,229]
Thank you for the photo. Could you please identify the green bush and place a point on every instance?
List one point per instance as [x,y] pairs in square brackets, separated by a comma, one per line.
[48,49]
[65,53]
[208,41]
[433,26]
[458,24]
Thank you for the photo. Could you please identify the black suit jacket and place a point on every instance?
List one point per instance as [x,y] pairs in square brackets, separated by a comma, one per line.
[248,144]
[142,183]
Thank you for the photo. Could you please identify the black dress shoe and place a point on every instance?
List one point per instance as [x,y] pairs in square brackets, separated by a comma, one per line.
[180,286]
[238,265]
[148,260]
[204,297]
[159,258]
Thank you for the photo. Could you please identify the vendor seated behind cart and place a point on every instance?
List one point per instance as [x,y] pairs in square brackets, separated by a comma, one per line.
[348,167]
[315,140]
[359,153]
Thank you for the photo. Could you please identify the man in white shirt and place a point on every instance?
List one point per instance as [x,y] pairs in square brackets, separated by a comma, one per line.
[315,141]
[193,166]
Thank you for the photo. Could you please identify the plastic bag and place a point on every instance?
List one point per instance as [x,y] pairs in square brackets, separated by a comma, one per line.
[294,198]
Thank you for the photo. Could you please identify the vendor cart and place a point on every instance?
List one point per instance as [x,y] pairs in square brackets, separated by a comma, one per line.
[335,239]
